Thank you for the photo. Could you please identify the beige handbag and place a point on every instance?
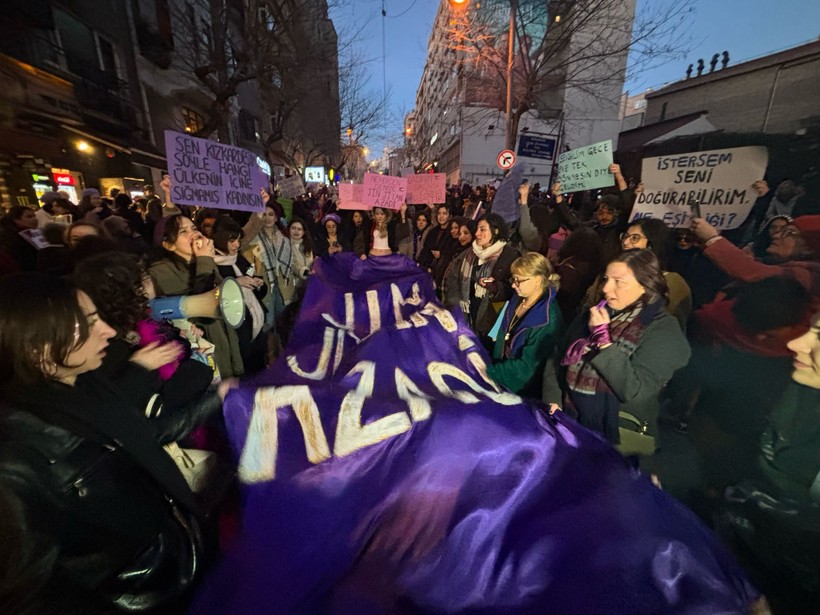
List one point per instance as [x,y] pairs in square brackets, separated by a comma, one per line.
[195,465]
[634,439]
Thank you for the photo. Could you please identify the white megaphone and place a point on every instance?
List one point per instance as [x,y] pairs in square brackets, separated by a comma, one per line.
[225,301]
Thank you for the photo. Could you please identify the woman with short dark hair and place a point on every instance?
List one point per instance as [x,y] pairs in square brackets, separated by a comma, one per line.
[624,352]
[108,522]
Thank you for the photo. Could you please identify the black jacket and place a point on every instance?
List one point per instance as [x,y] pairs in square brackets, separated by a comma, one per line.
[107,513]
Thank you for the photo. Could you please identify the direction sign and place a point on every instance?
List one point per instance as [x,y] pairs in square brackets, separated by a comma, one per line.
[506,159]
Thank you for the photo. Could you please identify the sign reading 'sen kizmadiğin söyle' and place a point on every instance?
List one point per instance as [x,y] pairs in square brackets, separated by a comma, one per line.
[426,188]
[720,180]
[384,191]
[213,174]
[586,168]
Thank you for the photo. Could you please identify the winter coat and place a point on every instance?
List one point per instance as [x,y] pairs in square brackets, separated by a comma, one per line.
[104,511]
[172,277]
[518,362]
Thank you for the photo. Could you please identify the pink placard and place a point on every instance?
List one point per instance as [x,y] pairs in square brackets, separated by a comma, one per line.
[384,190]
[350,197]
[426,188]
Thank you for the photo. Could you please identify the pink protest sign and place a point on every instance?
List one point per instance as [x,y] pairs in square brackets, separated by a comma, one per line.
[426,188]
[384,191]
[350,197]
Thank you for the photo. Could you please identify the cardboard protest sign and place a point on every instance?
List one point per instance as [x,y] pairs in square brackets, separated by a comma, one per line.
[212,174]
[721,180]
[290,187]
[586,168]
[384,191]
[350,196]
[426,188]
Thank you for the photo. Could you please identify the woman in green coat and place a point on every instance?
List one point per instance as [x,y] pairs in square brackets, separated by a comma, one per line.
[188,268]
[528,327]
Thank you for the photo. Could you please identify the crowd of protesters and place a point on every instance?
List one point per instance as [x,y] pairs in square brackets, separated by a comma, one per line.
[715,336]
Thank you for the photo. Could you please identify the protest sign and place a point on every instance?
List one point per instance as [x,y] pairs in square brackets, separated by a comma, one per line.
[426,188]
[212,174]
[384,191]
[350,196]
[721,180]
[315,175]
[291,187]
[586,168]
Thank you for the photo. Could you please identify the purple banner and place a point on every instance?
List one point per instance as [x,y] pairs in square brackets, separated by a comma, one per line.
[385,473]
[212,174]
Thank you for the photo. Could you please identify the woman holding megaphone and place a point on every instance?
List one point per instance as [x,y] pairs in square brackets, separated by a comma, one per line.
[187,267]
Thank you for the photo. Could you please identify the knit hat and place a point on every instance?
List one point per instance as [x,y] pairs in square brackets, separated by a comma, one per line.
[91,192]
[333,217]
[809,227]
[50,196]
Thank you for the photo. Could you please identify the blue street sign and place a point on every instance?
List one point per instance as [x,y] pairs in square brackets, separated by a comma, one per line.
[534,146]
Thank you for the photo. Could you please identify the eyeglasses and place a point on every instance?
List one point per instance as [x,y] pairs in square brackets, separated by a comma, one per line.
[519,281]
[634,238]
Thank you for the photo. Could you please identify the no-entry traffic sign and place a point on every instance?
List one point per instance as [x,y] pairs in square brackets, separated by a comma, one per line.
[506,159]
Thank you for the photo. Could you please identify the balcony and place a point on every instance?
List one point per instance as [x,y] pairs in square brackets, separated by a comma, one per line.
[99,93]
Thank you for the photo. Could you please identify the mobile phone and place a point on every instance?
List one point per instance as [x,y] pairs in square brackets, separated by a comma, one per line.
[694,206]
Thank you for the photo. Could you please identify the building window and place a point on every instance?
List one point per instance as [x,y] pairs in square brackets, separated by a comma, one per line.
[663,112]
[640,104]
[194,122]
[107,57]
[248,130]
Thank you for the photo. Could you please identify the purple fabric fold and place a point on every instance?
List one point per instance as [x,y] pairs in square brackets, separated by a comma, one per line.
[385,474]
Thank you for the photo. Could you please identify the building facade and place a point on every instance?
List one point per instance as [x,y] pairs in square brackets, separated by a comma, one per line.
[88,88]
[458,124]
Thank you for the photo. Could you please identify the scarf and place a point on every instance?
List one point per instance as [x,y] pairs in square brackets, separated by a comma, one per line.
[485,259]
[250,300]
[596,404]
[277,254]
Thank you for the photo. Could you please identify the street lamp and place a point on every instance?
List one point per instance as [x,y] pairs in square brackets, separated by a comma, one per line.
[509,137]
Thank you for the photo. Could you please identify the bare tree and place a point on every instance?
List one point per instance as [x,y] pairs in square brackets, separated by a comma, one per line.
[561,45]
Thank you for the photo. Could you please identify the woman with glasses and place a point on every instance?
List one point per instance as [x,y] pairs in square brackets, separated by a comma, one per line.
[480,276]
[528,327]
[623,353]
[797,245]
[653,234]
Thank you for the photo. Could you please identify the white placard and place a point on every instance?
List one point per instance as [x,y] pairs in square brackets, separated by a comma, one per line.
[720,179]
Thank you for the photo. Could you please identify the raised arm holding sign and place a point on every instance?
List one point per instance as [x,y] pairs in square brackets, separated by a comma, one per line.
[212,174]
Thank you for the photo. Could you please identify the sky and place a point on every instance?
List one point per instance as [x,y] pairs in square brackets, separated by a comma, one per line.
[745,28]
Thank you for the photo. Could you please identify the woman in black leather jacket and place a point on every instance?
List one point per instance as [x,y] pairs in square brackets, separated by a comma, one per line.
[97,517]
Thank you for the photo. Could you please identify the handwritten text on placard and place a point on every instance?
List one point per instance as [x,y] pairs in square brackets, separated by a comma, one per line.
[212,174]
[384,190]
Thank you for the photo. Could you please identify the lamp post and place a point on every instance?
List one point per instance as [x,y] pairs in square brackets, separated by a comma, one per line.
[509,137]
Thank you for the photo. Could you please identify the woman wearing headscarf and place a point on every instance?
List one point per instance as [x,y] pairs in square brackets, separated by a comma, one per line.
[528,327]
[622,354]
[480,276]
